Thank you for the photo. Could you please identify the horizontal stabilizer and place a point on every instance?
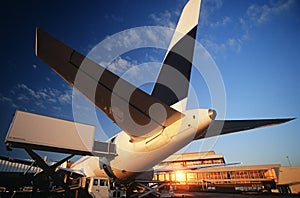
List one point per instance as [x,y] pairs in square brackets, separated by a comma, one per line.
[133,110]
[220,127]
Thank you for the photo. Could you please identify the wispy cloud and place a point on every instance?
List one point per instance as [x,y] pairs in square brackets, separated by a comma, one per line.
[121,65]
[223,22]
[260,14]
[24,97]
[207,9]
[135,72]
[165,18]
[8,100]
[212,46]
[235,43]
[108,53]
[255,15]
[114,17]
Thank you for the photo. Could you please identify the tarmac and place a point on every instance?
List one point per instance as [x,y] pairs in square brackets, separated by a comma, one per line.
[231,195]
[182,195]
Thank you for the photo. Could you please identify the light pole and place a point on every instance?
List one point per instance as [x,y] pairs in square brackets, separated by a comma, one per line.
[288,159]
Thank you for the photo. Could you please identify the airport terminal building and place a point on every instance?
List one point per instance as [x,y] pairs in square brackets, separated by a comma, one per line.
[208,171]
[198,171]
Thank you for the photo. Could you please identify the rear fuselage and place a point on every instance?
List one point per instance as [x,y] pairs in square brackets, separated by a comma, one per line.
[135,157]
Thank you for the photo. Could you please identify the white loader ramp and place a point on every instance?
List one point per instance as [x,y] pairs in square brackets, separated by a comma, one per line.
[39,132]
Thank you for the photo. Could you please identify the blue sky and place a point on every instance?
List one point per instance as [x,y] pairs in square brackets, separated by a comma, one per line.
[255,45]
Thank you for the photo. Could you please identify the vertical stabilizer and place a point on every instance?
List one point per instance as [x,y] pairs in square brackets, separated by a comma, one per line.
[173,80]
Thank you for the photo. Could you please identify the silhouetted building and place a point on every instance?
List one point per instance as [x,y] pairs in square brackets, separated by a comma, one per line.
[208,171]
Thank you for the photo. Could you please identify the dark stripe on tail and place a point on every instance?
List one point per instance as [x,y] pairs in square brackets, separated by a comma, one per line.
[171,87]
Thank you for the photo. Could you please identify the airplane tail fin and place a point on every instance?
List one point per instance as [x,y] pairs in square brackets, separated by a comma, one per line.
[172,83]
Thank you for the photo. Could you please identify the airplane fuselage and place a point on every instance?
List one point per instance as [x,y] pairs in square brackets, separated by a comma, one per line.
[135,157]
